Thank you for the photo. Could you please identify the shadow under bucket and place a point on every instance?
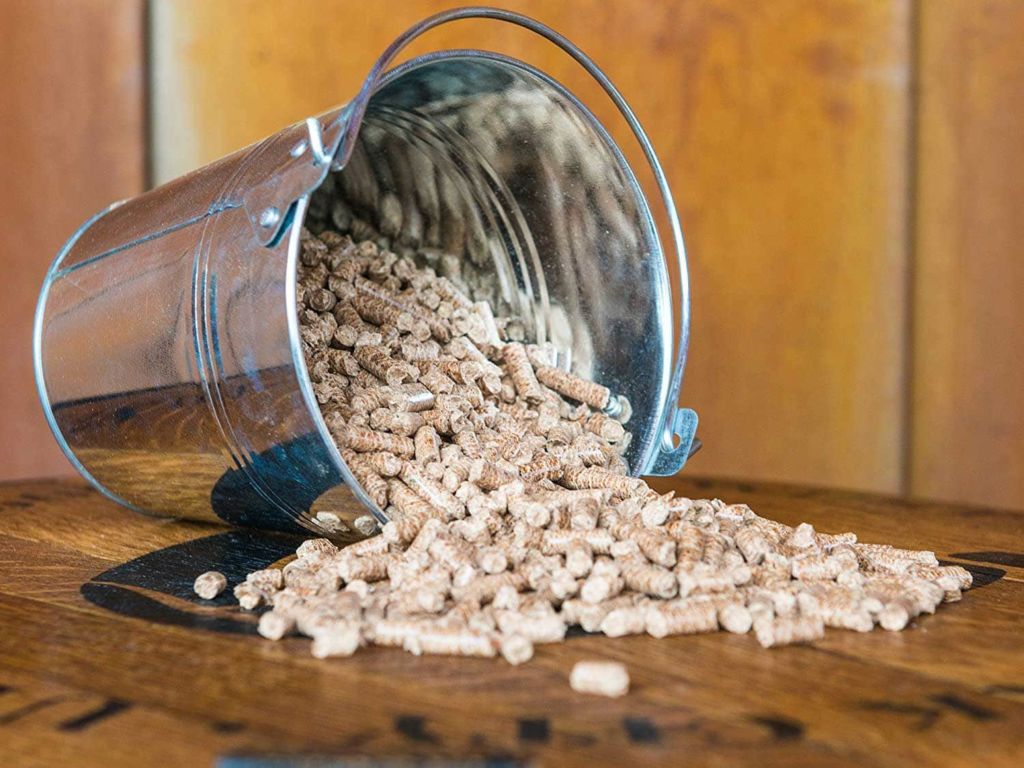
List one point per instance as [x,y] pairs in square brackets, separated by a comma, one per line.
[167,348]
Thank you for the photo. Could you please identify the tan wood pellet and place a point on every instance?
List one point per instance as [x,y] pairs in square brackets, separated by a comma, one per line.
[210,584]
[600,678]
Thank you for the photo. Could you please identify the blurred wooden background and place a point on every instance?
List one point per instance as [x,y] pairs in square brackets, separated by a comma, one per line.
[849,175]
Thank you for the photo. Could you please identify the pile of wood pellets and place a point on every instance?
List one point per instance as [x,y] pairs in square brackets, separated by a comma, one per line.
[511,514]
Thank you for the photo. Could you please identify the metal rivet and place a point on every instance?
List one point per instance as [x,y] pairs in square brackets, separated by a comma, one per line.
[269,217]
[299,148]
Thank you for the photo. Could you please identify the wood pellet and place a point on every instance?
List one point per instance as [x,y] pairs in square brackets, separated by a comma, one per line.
[600,678]
[511,513]
[210,584]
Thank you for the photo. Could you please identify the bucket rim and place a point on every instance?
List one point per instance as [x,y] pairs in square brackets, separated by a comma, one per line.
[677,440]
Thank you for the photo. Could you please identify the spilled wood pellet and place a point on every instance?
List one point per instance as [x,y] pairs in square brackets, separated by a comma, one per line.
[601,678]
[210,584]
[510,512]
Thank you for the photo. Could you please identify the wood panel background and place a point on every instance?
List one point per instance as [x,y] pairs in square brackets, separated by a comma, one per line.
[968,387]
[72,140]
[848,174]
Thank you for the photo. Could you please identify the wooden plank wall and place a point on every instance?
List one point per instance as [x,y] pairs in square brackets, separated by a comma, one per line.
[968,394]
[71,142]
[848,174]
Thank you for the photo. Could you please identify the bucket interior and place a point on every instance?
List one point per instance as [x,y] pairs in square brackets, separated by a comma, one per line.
[496,177]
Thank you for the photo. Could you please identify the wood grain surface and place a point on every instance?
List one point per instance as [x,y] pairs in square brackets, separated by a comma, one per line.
[71,142]
[107,659]
[968,400]
[784,128]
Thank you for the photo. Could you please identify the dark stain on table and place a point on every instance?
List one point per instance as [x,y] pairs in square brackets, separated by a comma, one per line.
[227,726]
[926,715]
[964,707]
[306,760]
[109,708]
[782,728]
[641,730]
[537,730]
[1011,559]
[929,714]
[414,727]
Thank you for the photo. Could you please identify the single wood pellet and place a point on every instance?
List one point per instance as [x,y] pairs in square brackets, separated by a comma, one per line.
[210,584]
[512,516]
[600,678]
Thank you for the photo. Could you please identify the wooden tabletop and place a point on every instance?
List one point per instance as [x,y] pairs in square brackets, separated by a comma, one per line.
[106,658]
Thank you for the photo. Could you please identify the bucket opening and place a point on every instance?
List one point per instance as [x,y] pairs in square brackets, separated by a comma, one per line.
[495,177]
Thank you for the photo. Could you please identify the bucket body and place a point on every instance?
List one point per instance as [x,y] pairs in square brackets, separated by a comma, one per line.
[167,347]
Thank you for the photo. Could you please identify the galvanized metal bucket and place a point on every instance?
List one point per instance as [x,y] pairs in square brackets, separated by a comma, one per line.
[167,350]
